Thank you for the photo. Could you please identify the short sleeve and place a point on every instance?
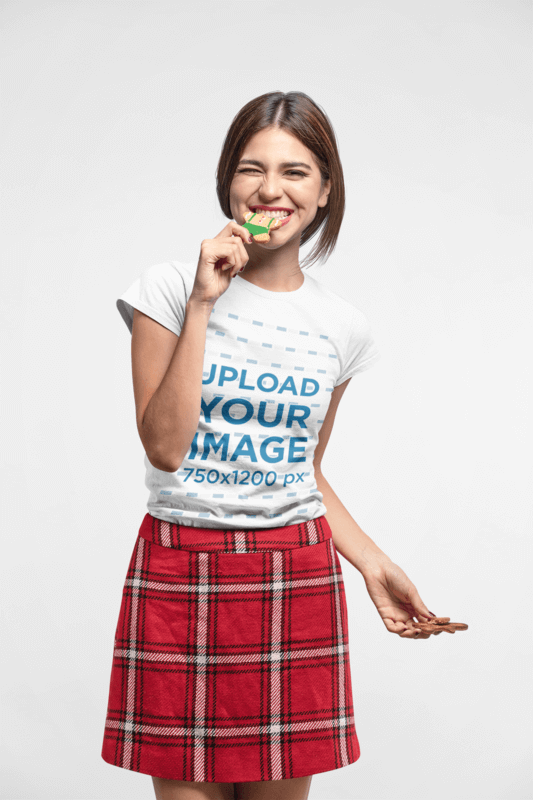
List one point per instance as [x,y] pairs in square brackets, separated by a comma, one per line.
[360,349]
[160,292]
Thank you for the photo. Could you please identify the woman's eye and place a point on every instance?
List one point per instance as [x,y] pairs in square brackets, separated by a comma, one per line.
[290,172]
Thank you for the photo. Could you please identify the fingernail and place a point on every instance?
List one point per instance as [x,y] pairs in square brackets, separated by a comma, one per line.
[251,239]
[241,269]
[432,614]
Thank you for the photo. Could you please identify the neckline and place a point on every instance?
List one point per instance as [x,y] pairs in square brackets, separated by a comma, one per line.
[251,287]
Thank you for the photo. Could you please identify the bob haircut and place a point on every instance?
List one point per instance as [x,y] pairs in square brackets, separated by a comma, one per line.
[298,114]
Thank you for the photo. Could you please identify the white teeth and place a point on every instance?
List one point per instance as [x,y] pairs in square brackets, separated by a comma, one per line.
[275,214]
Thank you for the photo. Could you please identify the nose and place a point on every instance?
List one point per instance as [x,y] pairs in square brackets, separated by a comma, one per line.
[269,189]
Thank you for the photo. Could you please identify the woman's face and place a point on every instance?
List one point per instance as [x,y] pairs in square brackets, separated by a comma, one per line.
[271,181]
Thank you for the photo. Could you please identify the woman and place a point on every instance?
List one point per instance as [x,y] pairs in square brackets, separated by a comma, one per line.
[231,674]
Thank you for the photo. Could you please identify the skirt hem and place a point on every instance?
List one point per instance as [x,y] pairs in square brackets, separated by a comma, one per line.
[230,780]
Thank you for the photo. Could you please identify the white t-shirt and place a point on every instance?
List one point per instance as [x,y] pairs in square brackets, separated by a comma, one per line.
[272,360]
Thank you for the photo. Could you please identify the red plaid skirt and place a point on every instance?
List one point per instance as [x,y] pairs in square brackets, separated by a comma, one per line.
[231,658]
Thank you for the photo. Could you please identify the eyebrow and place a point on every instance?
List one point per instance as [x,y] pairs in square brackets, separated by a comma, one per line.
[284,164]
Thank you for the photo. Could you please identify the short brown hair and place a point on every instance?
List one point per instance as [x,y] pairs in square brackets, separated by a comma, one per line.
[298,114]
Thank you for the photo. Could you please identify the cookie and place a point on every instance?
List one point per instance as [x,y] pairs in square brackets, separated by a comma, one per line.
[259,225]
[438,624]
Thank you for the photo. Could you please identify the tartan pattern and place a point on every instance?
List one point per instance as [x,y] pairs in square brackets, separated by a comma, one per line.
[172,534]
[231,657]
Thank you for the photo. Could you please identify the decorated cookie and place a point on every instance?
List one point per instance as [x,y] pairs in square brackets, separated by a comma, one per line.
[438,624]
[259,225]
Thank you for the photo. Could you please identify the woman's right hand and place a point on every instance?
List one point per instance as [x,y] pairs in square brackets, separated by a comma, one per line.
[220,260]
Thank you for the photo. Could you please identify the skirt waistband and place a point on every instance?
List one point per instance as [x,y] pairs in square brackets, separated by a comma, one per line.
[252,540]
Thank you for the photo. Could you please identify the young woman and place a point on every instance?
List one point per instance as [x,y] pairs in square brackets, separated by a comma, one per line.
[231,674]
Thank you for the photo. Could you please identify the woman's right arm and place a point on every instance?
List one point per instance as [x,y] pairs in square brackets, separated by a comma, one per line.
[167,369]
[167,418]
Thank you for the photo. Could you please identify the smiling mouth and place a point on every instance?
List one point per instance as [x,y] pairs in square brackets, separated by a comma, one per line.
[284,216]
[269,212]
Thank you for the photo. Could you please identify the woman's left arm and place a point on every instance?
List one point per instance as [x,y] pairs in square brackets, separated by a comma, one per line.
[349,539]
[394,595]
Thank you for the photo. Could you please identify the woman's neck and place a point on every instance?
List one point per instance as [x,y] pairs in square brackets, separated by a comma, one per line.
[276,271]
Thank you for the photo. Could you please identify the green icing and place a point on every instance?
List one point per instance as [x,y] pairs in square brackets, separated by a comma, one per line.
[256,229]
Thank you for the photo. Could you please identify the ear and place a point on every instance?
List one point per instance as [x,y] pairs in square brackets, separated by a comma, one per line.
[323,200]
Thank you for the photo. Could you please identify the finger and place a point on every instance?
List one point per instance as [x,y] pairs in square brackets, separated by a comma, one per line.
[243,256]
[422,617]
[241,231]
[420,608]
[240,254]
[236,271]
[234,229]
[414,633]
[417,613]
[236,240]
[234,257]
[395,626]
[224,254]
[224,263]
[244,234]
[406,634]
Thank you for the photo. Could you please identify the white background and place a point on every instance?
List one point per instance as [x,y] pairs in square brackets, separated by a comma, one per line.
[114,117]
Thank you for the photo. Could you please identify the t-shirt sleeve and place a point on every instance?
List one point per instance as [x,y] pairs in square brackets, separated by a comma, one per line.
[160,292]
[360,349]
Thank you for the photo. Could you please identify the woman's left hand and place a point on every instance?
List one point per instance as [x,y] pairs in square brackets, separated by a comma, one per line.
[397,600]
